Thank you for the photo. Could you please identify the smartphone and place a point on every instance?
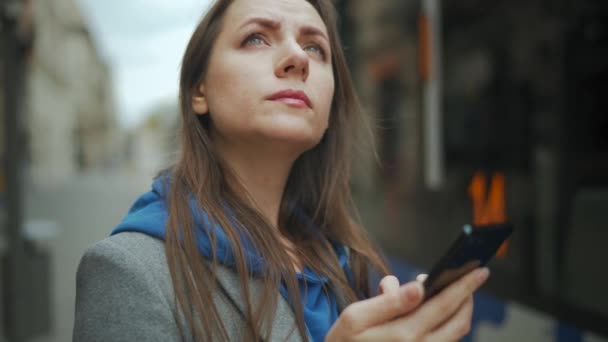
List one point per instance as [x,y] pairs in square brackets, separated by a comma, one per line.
[473,248]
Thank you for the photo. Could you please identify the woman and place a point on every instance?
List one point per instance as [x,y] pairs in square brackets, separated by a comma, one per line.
[250,235]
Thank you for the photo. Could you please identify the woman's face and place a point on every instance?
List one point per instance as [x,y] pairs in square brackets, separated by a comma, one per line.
[270,76]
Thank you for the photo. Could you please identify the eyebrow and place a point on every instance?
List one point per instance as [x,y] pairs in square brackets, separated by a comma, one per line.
[275,24]
[268,23]
[312,31]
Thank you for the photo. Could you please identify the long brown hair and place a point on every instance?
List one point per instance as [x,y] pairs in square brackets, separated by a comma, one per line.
[318,186]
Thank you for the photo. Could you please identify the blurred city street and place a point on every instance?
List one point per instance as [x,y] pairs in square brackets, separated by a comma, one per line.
[481,113]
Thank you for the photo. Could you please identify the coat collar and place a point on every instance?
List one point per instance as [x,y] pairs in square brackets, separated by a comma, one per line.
[284,326]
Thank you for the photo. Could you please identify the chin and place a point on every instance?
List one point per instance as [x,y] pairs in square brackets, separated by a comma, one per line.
[295,139]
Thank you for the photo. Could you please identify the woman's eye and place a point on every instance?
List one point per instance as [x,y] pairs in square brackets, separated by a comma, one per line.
[254,39]
[317,49]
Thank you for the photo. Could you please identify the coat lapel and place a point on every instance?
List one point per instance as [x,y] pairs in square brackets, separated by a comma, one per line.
[284,321]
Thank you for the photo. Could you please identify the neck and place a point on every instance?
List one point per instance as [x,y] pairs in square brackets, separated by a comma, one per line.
[263,172]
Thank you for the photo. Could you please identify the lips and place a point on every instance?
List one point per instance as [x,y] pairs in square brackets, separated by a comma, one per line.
[296,98]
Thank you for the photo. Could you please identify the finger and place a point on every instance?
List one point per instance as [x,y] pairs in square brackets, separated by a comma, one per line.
[456,327]
[446,302]
[421,277]
[389,283]
[364,314]
[416,325]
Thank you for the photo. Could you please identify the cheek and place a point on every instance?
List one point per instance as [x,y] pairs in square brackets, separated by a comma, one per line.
[230,94]
[224,84]
[230,83]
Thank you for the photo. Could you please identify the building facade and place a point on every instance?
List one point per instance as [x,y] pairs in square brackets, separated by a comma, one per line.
[71,121]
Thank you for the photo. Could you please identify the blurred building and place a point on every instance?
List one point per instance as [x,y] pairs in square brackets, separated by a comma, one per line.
[56,119]
[152,144]
[71,123]
[520,135]
[381,45]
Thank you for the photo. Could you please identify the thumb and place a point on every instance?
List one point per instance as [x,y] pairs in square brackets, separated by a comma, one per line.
[388,284]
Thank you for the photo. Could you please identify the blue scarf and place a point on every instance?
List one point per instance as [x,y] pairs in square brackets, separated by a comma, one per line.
[149,215]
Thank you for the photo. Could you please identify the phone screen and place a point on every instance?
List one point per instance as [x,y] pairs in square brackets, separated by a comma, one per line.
[473,248]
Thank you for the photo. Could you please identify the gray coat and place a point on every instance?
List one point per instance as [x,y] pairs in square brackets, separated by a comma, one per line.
[124,293]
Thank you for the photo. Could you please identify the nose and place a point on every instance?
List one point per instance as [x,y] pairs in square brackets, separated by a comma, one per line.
[293,62]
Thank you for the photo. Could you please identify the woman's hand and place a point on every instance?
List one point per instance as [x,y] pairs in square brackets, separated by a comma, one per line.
[396,313]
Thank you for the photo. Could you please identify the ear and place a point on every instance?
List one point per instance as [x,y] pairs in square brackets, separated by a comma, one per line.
[199,101]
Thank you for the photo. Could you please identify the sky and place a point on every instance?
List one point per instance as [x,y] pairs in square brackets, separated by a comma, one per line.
[143,42]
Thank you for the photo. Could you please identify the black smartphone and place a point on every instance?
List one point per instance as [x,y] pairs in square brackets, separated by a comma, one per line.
[473,248]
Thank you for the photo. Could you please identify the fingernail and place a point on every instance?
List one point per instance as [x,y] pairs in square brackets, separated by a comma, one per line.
[421,277]
[482,274]
[412,292]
